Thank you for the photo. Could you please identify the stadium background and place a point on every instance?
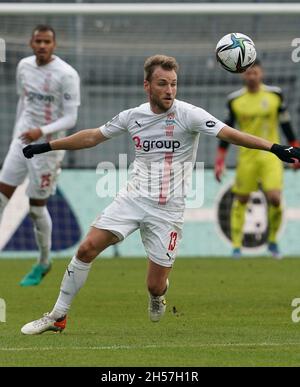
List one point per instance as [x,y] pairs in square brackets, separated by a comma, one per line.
[108,52]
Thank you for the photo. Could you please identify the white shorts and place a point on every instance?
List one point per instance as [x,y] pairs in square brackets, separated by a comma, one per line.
[161,230]
[42,170]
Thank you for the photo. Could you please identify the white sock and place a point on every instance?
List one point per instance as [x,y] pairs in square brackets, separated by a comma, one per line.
[42,231]
[3,202]
[74,278]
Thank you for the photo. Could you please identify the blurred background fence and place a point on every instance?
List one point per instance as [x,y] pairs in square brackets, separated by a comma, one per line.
[109,50]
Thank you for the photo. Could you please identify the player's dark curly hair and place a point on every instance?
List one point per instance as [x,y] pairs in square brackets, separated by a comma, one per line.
[43,28]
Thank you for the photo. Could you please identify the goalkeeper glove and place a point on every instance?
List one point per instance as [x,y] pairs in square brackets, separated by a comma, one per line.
[30,150]
[295,143]
[220,163]
[286,153]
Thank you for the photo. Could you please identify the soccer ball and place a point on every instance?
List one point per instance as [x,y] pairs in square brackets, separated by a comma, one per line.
[236,52]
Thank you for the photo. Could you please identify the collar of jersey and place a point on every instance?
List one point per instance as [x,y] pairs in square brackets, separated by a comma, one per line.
[48,64]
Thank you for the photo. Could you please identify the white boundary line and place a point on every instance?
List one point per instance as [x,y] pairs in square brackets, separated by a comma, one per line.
[131,347]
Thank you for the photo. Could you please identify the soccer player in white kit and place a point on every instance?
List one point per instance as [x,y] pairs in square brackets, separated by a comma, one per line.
[165,132]
[49,96]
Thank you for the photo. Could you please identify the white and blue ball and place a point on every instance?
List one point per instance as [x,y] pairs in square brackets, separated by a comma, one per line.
[236,52]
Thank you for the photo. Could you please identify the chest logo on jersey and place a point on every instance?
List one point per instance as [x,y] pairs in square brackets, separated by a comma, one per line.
[265,104]
[32,96]
[147,145]
[170,124]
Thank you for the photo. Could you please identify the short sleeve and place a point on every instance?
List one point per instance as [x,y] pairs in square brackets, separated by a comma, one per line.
[200,121]
[71,89]
[116,126]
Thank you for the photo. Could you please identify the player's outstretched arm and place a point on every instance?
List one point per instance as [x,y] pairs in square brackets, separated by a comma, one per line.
[83,139]
[237,137]
[285,153]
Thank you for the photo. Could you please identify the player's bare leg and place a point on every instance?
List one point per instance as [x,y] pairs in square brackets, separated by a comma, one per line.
[238,212]
[75,277]
[6,192]
[275,219]
[157,283]
[42,227]
[94,243]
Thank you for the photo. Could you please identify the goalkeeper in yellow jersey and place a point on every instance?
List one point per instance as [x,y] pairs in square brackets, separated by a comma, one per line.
[257,109]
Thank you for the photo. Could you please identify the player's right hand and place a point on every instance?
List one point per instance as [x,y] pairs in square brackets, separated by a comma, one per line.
[31,135]
[220,164]
[30,150]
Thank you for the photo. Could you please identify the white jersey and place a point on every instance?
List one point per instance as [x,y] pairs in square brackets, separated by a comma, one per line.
[166,146]
[44,93]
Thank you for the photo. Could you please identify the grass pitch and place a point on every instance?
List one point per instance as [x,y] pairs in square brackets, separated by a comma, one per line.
[220,312]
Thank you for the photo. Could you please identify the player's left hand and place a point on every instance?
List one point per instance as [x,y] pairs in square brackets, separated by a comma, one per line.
[288,154]
[296,165]
[31,135]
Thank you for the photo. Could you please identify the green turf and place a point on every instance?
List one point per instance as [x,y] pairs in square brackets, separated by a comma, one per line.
[221,312]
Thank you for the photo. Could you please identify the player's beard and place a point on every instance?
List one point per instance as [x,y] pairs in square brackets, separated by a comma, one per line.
[159,103]
[44,58]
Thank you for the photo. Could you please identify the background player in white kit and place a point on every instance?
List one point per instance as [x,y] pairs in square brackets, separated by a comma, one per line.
[49,97]
[165,132]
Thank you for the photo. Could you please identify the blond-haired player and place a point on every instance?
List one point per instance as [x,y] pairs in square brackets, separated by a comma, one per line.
[166,133]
